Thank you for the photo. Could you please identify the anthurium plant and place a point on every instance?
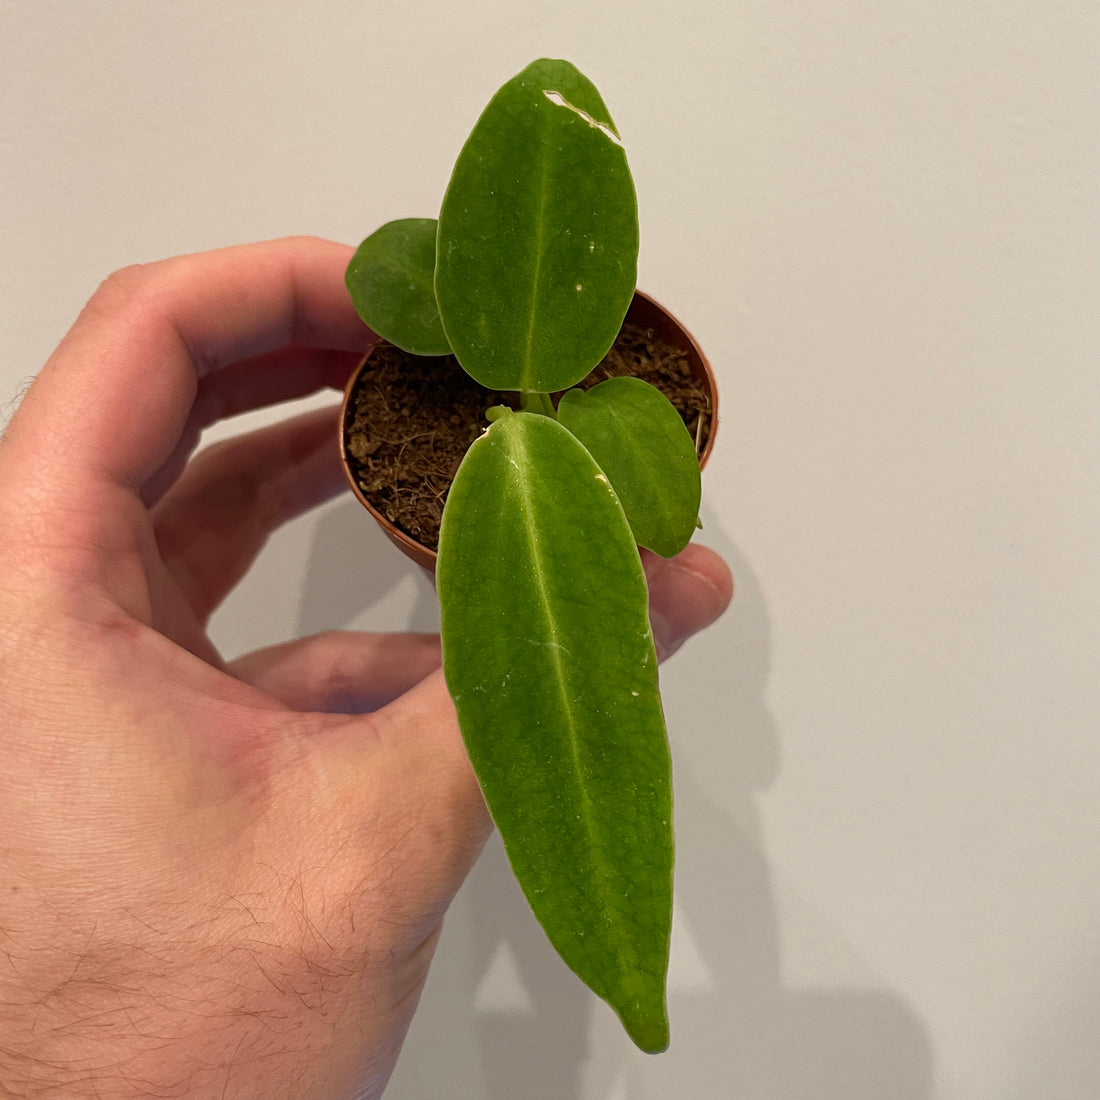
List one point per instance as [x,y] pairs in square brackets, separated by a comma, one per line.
[525,277]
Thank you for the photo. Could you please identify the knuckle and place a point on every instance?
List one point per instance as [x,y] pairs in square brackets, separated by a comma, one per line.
[116,296]
[129,291]
[121,286]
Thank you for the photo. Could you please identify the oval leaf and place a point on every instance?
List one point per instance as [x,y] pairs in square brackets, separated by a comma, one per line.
[538,235]
[639,440]
[548,655]
[391,282]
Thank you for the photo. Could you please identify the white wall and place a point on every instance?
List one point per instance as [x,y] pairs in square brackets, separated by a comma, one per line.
[881,219]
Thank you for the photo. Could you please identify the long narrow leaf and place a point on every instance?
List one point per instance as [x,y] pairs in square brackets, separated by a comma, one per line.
[548,655]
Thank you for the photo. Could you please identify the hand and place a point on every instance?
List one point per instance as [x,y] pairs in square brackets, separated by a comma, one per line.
[211,885]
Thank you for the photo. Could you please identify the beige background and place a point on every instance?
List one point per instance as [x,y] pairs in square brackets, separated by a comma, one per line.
[881,220]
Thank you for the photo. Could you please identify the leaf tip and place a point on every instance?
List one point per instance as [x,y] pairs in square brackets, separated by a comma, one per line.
[649,1033]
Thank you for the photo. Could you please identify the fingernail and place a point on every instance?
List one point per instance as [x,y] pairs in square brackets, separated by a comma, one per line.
[663,640]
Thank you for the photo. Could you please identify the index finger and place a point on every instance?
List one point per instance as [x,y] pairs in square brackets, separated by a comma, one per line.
[118,389]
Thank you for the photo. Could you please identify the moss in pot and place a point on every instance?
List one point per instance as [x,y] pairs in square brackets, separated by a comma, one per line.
[525,279]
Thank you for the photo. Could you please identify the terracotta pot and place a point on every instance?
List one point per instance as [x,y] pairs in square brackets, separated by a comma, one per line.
[643,311]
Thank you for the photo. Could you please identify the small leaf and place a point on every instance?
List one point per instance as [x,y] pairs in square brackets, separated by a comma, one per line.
[538,235]
[639,440]
[549,657]
[390,279]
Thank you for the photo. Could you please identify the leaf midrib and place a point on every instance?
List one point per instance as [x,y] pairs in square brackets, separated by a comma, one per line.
[599,860]
[536,275]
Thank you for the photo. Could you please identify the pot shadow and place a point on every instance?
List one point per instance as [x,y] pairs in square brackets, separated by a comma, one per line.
[353,569]
[503,1017]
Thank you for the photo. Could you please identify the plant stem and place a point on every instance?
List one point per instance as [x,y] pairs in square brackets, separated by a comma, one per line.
[537,403]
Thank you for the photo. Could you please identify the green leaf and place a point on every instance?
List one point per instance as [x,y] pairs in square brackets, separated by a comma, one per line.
[639,440]
[390,279]
[549,658]
[538,235]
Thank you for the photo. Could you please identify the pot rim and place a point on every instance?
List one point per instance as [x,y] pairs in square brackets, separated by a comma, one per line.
[644,310]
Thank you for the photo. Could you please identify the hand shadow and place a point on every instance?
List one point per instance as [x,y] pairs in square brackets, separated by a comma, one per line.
[737,1030]
[504,1018]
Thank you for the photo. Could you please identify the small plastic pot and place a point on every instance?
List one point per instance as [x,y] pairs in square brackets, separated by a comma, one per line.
[644,312]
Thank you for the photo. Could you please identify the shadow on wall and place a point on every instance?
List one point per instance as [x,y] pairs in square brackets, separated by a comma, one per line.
[503,1018]
[352,567]
[741,1033]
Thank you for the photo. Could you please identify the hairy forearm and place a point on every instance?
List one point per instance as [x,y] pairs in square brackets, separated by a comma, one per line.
[248,1018]
[128,1022]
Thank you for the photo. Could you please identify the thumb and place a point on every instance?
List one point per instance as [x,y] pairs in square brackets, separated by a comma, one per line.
[686,594]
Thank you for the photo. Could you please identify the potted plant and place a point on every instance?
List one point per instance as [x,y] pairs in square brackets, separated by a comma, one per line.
[525,278]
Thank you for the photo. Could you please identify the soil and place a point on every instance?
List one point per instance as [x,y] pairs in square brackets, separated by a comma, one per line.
[411,419]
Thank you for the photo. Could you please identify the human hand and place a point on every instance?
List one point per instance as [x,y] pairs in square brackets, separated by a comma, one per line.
[211,884]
